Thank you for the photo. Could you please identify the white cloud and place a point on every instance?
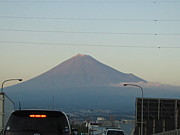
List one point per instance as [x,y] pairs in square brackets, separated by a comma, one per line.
[142,84]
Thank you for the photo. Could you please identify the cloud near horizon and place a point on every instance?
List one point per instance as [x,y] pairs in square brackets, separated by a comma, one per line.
[142,84]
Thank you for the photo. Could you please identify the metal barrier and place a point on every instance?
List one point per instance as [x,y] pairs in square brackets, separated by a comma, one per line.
[173,132]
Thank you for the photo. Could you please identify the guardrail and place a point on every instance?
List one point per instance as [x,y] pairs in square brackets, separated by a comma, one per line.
[172,132]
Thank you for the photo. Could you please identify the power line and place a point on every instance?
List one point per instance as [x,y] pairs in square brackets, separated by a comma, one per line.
[87,19]
[90,1]
[88,32]
[88,45]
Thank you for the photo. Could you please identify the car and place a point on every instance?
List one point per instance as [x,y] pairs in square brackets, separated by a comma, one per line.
[37,122]
[114,132]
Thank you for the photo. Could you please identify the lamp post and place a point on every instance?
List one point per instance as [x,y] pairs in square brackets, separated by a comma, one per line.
[7,81]
[126,84]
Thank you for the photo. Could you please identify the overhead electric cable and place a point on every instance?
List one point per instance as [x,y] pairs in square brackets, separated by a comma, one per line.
[89,45]
[86,19]
[90,1]
[89,32]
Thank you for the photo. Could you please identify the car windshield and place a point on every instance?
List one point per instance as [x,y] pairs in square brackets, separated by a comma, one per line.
[38,121]
[115,133]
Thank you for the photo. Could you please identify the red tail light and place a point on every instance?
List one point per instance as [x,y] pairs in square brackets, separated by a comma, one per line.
[38,116]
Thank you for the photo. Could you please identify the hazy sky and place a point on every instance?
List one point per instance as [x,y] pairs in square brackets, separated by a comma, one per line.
[36,35]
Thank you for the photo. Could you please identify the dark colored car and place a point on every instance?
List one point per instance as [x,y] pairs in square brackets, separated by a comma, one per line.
[37,122]
[114,132]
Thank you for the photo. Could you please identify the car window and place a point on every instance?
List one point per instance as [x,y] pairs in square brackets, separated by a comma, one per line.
[38,121]
[115,133]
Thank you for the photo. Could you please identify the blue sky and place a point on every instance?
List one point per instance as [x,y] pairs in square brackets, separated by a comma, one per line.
[122,34]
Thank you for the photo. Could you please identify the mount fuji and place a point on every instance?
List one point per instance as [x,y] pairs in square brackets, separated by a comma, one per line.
[79,82]
[80,71]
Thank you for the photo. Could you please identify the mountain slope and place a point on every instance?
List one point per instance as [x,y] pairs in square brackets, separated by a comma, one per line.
[83,70]
[80,81]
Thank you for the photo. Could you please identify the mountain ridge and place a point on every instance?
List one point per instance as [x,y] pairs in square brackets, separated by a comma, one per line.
[83,82]
[84,70]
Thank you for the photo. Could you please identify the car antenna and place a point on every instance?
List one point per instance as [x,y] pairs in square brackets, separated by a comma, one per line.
[19,105]
[52,103]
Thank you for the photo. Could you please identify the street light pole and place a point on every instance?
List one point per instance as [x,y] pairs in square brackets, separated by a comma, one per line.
[126,84]
[7,81]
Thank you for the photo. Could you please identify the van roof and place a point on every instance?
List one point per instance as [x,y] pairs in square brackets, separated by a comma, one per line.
[49,112]
[114,129]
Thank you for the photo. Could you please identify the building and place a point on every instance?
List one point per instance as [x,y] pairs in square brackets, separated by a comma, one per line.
[159,115]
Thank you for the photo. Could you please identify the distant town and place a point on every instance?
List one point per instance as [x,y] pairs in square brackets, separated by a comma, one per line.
[97,121]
